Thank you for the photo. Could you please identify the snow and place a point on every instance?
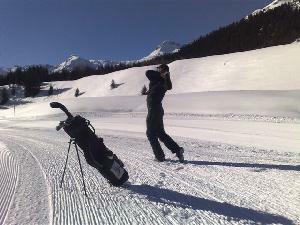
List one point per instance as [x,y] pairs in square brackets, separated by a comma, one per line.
[274,68]
[219,184]
[24,187]
[237,117]
[8,180]
[277,3]
[165,47]
[76,62]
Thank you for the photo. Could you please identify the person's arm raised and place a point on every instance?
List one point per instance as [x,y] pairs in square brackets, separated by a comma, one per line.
[152,75]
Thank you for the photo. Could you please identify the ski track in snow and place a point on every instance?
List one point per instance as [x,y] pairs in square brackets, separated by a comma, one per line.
[8,180]
[31,198]
[219,183]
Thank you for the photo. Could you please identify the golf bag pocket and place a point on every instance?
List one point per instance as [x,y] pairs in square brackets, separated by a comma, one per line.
[117,170]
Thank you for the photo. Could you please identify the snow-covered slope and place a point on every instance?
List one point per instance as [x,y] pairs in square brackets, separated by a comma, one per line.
[8,180]
[277,3]
[274,68]
[261,82]
[219,183]
[166,47]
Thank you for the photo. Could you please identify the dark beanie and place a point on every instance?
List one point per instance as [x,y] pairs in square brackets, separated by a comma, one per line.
[164,67]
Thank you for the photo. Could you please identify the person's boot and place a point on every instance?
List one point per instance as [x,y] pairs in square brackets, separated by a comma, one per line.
[180,155]
[159,155]
[160,159]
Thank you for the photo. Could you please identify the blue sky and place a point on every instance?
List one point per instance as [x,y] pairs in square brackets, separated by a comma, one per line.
[48,31]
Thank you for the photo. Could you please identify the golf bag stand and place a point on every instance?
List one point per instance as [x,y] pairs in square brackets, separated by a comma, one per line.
[72,141]
[96,154]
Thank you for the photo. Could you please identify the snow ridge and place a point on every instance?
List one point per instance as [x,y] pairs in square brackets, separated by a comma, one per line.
[166,47]
[277,3]
[76,62]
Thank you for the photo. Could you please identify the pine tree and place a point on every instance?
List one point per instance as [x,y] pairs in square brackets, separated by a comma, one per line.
[113,84]
[50,91]
[4,96]
[12,89]
[144,90]
[32,80]
[76,92]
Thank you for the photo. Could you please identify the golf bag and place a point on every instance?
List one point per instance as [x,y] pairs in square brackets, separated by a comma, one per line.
[94,150]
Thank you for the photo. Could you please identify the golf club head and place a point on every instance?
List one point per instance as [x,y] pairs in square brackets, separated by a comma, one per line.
[56,105]
[62,107]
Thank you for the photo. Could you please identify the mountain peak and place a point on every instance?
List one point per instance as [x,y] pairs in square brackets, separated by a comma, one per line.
[166,47]
[76,62]
[73,62]
[167,44]
[73,57]
[277,3]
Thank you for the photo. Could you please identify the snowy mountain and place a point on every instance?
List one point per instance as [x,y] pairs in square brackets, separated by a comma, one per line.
[75,62]
[166,47]
[277,3]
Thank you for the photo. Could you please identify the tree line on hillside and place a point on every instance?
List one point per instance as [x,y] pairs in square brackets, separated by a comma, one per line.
[30,78]
[42,73]
[275,27]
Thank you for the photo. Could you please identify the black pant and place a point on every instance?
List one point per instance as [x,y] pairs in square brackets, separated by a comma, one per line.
[155,131]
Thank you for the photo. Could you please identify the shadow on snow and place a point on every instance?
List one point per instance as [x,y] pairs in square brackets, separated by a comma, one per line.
[170,197]
[246,165]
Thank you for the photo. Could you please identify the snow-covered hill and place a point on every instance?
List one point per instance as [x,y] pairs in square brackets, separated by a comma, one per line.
[277,3]
[221,84]
[166,47]
[274,68]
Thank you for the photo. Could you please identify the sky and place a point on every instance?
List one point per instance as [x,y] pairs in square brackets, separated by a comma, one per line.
[49,31]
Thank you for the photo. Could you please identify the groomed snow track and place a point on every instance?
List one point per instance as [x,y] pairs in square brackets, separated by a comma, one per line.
[8,180]
[219,184]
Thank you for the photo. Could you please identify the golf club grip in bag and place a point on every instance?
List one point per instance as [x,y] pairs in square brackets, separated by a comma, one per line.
[95,152]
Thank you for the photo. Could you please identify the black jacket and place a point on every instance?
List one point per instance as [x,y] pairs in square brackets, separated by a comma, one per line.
[157,88]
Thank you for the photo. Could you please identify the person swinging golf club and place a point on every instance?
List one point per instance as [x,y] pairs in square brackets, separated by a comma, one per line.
[160,82]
